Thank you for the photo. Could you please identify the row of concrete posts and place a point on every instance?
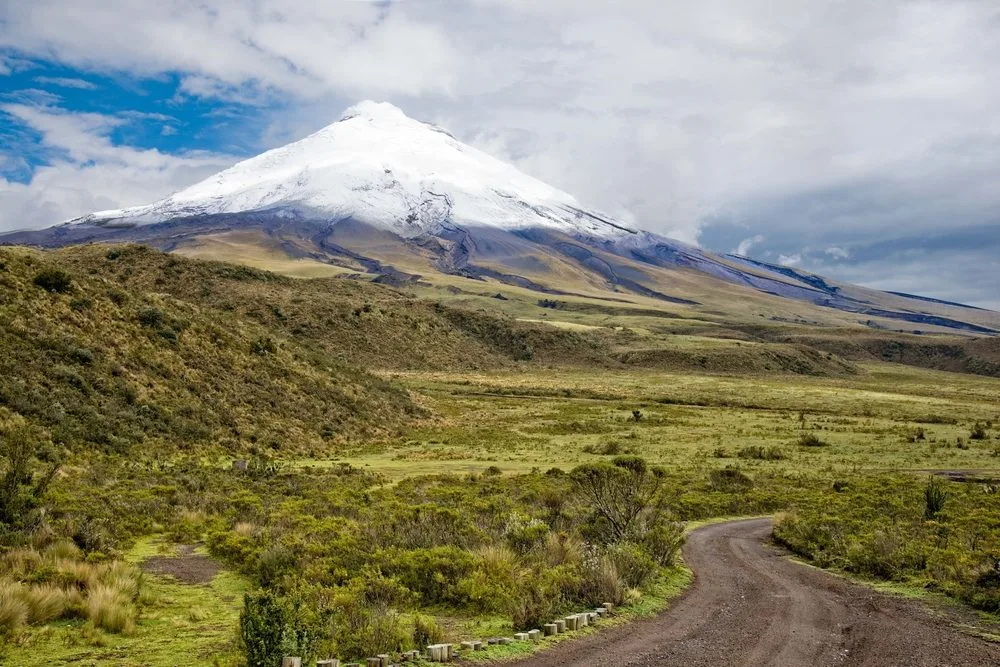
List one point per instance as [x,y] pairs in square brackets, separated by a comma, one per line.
[448,652]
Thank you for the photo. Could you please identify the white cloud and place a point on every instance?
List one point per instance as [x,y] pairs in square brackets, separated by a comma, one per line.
[790,260]
[306,48]
[837,253]
[821,124]
[66,82]
[88,173]
[743,249]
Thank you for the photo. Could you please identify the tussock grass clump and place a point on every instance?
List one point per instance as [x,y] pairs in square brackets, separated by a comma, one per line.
[109,610]
[562,549]
[45,603]
[13,609]
[761,453]
[38,587]
[811,440]
[609,448]
[601,582]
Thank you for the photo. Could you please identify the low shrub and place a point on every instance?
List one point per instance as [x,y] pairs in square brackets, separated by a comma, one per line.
[635,568]
[532,609]
[426,631]
[730,479]
[663,541]
[761,453]
[811,440]
[54,280]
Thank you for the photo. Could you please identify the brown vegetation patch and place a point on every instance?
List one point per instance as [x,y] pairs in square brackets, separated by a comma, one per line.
[187,567]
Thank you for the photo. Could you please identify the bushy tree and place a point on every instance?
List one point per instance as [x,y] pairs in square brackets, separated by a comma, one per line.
[620,492]
[28,463]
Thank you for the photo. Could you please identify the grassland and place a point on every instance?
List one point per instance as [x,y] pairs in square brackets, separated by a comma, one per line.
[522,420]
[441,435]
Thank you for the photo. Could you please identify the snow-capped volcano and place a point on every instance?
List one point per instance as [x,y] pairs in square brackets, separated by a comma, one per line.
[381,195]
[378,166]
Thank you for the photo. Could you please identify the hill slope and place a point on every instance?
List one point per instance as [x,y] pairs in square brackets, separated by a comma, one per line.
[99,364]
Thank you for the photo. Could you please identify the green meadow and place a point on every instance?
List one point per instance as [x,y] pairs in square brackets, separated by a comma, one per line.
[439,464]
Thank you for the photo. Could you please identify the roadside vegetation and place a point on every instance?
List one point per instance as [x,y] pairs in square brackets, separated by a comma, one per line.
[411,470]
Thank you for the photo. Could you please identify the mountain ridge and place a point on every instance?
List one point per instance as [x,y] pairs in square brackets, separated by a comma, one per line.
[379,194]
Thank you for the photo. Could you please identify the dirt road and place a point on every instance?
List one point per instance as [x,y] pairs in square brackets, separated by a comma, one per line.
[749,605]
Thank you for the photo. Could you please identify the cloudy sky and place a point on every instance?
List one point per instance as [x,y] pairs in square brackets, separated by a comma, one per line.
[856,139]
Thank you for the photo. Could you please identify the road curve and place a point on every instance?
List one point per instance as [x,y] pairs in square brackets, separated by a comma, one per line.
[749,605]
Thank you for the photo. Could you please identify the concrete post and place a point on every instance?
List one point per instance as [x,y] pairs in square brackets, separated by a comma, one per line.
[560,625]
[329,662]
[291,662]
[522,636]
[602,611]
[583,620]
[493,641]
[571,623]
[533,635]
[374,662]
[383,660]
[504,641]
[550,629]
[440,652]
[607,605]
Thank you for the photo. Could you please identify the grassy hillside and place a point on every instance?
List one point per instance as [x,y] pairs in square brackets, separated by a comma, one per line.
[98,363]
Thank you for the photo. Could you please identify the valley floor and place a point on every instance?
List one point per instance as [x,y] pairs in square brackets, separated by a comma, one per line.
[884,420]
[887,418]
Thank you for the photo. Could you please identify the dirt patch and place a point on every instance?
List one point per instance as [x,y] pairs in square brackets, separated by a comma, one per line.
[186,567]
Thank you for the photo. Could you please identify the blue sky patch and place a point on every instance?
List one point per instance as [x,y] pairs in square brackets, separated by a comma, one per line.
[148,113]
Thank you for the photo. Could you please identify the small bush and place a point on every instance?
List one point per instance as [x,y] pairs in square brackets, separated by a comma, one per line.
[663,542]
[935,497]
[978,432]
[811,440]
[54,280]
[634,566]
[761,453]
[426,631]
[532,609]
[151,317]
[262,629]
[730,479]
